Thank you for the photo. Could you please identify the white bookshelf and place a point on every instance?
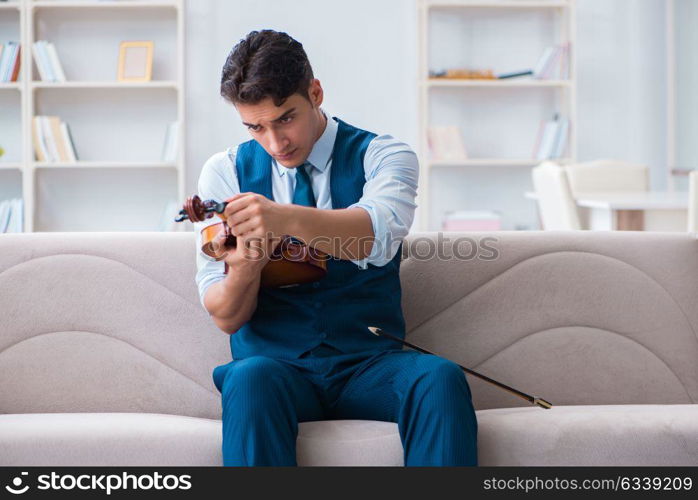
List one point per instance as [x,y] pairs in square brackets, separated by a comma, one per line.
[489,162]
[103,164]
[11,109]
[104,4]
[497,4]
[499,119]
[119,182]
[105,85]
[434,82]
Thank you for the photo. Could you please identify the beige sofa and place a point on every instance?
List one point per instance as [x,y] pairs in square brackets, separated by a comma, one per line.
[106,353]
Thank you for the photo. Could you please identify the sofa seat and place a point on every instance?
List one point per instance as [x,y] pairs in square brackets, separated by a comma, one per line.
[150,439]
[563,436]
[631,435]
[108,439]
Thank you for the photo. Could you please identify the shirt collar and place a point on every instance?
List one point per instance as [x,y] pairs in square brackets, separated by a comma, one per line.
[321,153]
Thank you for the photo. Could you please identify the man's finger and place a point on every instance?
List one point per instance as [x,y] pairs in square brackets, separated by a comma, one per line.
[239,217]
[233,204]
[237,196]
[239,203]
[218,243]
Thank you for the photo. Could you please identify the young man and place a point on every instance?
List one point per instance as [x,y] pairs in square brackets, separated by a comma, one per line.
[304,352]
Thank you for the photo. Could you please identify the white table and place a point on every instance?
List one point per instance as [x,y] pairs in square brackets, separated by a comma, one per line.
[635,211]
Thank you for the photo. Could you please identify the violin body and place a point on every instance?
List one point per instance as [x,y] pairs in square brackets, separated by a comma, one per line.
[291,263]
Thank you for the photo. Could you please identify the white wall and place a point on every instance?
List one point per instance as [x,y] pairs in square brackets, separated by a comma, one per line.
[364,53]
[686,98]
[621,82]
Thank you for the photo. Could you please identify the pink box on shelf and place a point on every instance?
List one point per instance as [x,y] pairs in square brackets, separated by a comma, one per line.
[471,221]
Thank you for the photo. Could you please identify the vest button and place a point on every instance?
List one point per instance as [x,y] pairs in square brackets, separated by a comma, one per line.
[323,335]
[318,305]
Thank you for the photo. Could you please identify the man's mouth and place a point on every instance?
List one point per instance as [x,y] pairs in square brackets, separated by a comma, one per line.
[287,156]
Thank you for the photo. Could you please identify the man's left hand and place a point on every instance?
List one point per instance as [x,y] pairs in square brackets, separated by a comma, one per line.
[254,215]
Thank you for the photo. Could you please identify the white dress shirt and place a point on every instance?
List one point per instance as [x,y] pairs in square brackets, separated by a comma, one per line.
[391,169]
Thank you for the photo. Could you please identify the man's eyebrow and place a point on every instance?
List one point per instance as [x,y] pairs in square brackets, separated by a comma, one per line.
[275,120]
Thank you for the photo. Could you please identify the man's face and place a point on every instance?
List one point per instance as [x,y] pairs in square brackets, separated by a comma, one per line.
[287,132]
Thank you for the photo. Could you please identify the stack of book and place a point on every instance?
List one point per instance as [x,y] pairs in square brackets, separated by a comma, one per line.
[47,62]
[552,139]
[9,61]
[446,143]
[52,140]
[472,220]
[11,215]
[169,148]
[554,63]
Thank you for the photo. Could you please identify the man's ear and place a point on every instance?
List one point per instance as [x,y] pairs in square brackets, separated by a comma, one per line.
[316,93]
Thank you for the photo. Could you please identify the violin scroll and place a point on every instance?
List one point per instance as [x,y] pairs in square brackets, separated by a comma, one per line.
[197,210]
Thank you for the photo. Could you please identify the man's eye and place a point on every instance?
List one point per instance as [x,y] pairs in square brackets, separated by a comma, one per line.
[253,129]
[286,119]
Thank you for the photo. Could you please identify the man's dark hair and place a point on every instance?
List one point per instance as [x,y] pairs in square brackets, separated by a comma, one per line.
[265,64]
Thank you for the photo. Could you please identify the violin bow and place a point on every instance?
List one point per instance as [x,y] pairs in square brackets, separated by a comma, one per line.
[531,399]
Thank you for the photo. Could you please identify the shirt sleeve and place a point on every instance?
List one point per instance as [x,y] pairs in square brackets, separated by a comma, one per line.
[217,181]
[392,173]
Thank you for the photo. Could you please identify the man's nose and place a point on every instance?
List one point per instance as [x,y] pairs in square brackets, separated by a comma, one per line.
[277,143]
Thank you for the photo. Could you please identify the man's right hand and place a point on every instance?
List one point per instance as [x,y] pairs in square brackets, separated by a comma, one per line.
[250,255]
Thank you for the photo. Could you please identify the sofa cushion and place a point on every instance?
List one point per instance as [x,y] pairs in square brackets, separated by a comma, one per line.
[108,439]
[349,442]
[629,435]
[148,439]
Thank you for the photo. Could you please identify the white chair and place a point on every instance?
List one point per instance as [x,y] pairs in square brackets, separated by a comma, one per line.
[693,202]
[607,175]
[556,205]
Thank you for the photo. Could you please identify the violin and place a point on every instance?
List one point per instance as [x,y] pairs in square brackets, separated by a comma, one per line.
[291,262]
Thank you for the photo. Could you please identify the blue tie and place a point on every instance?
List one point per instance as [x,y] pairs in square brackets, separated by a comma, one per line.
[303,194]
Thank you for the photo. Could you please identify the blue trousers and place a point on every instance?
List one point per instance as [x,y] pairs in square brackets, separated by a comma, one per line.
[264,399]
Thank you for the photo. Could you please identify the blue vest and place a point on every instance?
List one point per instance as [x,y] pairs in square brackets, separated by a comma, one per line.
[337,309]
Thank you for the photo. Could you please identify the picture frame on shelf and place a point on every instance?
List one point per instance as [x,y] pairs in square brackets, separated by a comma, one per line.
[135,61]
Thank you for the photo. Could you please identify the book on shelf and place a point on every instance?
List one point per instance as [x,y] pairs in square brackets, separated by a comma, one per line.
[171,144]
[515,74]
[463,74]
[552,139]
[11,215]
[10,61]
[52,140]
[446,143]
[47,62]
[554,63]
[5,208]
